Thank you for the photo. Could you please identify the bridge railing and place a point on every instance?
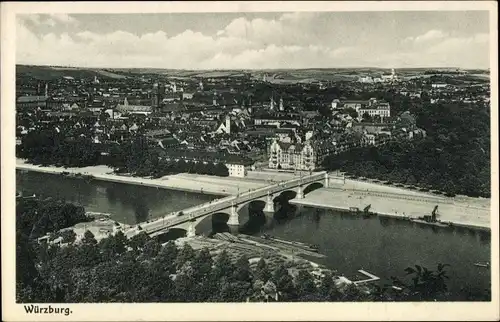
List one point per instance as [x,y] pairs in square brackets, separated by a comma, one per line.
[225,202]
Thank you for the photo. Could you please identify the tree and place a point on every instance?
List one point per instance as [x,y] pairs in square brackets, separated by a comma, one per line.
[223,266]
[202,264]
[121,242]
[233,291]
[184,255]
[352,293]
[351,112]
[305,285]
[139,241]
[88,238]
[113,245]
[69,236]
[426,285]
[367,118]
[26,271]
[328,290]
[284,283]
[221,170]
[185,283]
[207,284]
[261,271]
[151,248]
[165,261]
[242,270]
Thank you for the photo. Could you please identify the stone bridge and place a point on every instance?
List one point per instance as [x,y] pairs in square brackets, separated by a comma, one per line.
[189,218]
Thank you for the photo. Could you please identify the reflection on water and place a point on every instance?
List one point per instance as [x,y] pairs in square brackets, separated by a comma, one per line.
[126,203]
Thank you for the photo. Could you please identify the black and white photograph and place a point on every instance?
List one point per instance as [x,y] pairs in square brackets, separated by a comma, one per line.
[252,155]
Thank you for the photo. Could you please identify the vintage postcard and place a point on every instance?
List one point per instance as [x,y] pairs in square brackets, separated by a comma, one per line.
[189,161]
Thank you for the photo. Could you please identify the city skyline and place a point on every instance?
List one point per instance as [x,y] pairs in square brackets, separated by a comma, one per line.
[297,40]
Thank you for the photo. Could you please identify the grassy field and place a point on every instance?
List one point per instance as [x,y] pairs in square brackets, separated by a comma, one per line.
[277,76]
[109,74]
[53,72]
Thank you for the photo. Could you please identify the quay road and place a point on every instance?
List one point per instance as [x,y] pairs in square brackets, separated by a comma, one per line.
[192,213]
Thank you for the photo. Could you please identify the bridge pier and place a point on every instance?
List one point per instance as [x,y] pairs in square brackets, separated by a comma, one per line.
[191,232]
[269,209]
[233,222]
[300,193]
[269,204]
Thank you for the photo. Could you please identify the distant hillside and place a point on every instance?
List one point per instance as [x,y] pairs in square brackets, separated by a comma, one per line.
[274,75]
[49,72]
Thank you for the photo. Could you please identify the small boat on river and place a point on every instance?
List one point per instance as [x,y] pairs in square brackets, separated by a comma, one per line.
[482,264]
[431,223]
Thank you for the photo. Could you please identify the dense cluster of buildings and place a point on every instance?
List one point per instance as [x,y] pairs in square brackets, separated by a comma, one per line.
[241,121]
[383,78]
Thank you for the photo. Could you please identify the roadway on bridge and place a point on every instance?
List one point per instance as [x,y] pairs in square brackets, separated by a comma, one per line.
[192,213]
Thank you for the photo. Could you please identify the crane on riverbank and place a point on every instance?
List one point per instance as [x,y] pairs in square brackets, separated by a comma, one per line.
[434,214]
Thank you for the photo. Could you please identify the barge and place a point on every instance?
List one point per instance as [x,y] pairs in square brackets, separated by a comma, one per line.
[309,247]
[431,223]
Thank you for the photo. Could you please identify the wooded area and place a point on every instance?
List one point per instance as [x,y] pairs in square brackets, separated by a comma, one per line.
[453,158]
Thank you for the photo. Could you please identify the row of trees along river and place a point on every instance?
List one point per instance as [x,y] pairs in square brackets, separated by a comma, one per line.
[138,156]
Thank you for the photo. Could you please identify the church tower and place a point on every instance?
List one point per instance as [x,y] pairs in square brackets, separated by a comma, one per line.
[158,93]
[228,124]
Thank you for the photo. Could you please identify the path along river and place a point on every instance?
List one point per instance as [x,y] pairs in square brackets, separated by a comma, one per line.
[382,246]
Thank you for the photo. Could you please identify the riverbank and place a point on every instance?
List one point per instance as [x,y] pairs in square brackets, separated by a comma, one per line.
[222,186]
[458,212]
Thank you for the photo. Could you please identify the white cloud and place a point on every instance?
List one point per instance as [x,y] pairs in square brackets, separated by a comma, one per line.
[288,29]
[428,36]
[290,41]
[64,19]
[343,51]
[34,18]
[49,20]
[431,35]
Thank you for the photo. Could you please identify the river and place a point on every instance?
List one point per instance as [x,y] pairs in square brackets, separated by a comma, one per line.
[127,203]
[381,246]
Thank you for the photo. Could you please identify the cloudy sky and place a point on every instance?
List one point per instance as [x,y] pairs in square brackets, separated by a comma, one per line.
[256,40]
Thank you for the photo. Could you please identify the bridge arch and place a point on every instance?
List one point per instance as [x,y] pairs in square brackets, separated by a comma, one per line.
[252,216]
[313,186]
[285,195]
[172,234]
[215,222]
[250,209]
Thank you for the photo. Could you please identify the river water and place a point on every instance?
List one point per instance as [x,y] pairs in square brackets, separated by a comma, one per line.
[127,203]
[381,246]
